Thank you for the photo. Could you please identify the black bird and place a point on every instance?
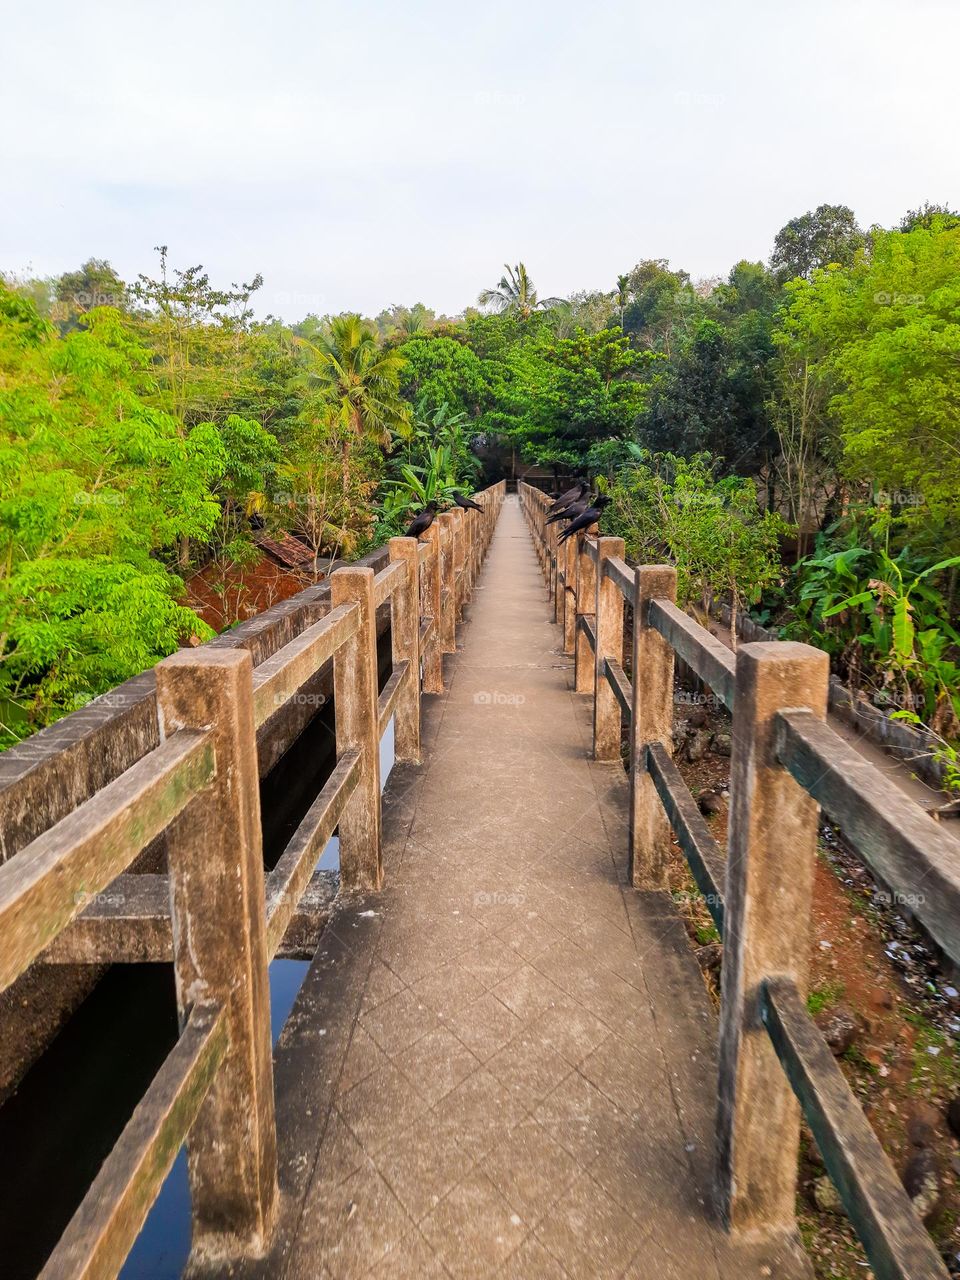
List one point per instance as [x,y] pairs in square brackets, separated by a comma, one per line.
[466,504]
[578,491]
[423,521]
[588,517]
[569,513]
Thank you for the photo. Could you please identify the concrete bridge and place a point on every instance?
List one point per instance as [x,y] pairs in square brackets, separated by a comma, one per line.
[503,1060]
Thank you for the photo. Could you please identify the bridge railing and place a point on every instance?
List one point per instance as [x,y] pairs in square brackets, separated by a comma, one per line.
[222,918]
[786,762]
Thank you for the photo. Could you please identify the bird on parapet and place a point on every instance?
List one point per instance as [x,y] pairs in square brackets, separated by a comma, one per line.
[586,518]
[578,491]
[423,521]
[569,513]
[466,504]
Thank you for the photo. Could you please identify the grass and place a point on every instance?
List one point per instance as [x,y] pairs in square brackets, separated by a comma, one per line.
[938,1071]
[823,996]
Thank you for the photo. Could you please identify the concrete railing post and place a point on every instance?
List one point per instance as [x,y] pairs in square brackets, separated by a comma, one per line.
[771,859]
[405,641]
[651,721]
[609,626]
[358,729]
[459,561]
[433,656]
[448,597]
[556,558]
[570,550]
[215,857]
[586,664]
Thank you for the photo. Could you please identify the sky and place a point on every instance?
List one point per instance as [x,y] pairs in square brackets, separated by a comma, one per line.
[377,153]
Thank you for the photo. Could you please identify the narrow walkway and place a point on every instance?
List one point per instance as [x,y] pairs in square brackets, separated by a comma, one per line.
[503,1064]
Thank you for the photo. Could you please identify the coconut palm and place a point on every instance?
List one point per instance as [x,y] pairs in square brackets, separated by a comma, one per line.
[622,295]
[358,378]
[515,294]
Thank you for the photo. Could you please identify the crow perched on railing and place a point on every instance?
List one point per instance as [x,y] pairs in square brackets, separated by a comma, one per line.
[466,504]
[578,491]
[423,521]
[569,513]
[586,518]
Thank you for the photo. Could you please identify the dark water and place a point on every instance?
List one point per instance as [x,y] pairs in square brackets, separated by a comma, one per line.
[70,1108]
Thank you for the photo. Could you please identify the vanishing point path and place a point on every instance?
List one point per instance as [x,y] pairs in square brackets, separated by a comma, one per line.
[503,1064]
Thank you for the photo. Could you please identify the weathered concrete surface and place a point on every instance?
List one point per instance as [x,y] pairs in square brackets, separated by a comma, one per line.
[504,1063]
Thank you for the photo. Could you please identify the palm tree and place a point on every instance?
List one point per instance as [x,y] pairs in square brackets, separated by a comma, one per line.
[358,379]
[515,294]
[622,295]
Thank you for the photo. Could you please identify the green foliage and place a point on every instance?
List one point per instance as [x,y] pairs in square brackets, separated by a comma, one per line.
[442,371]
[829,234]
[885,622]
[94,483]
[667,507]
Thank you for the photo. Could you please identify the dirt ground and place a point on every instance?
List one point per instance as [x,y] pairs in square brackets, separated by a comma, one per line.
[872,967]
[224,597]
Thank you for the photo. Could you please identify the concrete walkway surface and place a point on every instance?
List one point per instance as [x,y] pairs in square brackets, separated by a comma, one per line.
[503,1064]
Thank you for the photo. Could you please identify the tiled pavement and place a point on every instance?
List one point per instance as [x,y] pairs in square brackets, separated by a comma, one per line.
[503,1064]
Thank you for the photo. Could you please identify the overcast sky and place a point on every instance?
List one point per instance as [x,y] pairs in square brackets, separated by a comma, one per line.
[366,154]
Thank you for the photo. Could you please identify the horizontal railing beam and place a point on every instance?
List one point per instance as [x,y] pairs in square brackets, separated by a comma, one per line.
[587,625]
[51,880]
[287,881]
[130,923]
[618,571]
[622,688]
[278,679]
[905,848]
[105,1226]
[386,582]
[387,701]
[704,855]
[894,1238]
[713,662]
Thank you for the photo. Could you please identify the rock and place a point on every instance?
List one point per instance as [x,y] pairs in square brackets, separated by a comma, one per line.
[953,1116]
[840,1028]
[709,803]
[710,958]
[697,745]
[721,744]
[923,1183]
[825,1196]
[923,1120]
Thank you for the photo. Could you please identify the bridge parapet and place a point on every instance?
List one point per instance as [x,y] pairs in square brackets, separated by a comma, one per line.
[786,762]
[217,916]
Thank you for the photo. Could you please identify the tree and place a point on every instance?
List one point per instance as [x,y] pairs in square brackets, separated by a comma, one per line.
[663,305]
[95,486]
[622,295]
[815,240]
[357,378]
[925,217]
[95,284]
[438,371]
[515,294]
